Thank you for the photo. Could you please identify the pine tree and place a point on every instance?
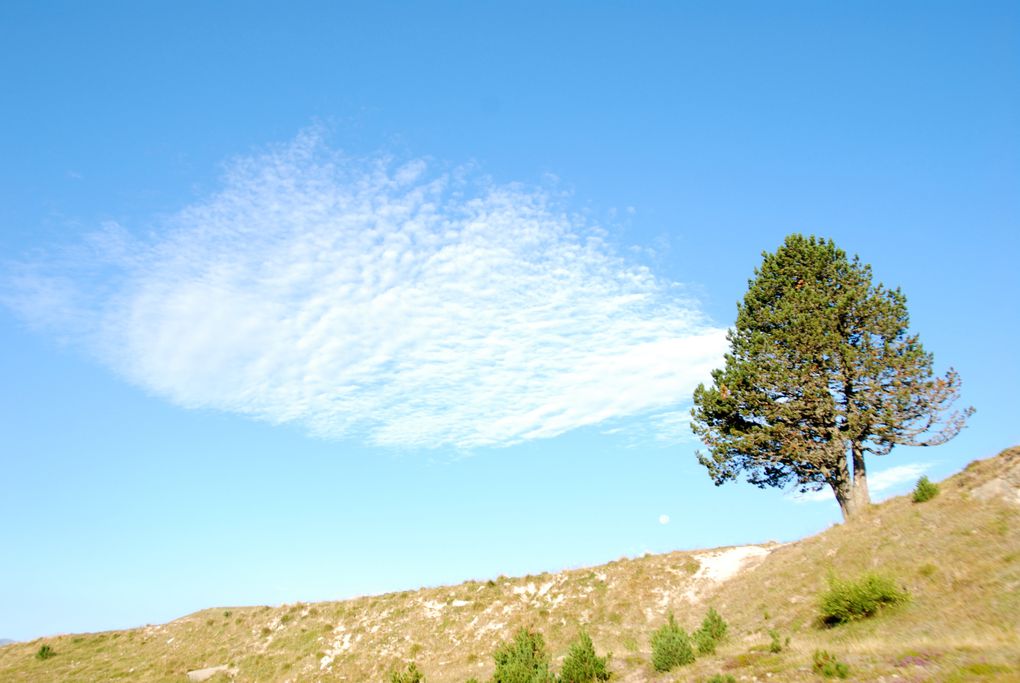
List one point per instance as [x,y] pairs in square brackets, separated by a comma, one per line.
[410,675]
[582,665]
[821,371]
[522,660]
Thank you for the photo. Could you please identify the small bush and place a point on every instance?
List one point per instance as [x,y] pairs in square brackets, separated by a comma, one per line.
[925,490]
[826,664]
[722,678]
[582,665]
[522,660]
[847,601]
[410,675]
[671,646]
[45,652]
[712,631]
[777,644]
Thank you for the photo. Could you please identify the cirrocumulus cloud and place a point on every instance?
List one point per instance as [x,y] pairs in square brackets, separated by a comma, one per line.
[375,300]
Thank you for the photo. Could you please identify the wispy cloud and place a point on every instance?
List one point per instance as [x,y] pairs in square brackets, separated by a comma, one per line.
[367,299]
[878,482]
[896,477]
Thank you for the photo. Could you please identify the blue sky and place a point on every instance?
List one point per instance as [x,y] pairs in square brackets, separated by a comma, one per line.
[303,301]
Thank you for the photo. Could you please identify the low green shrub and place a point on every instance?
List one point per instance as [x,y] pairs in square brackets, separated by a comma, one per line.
[522,660]
[925,490]
[825,664]
[847,601]
[45,652]
[671,646]
[712,631]
[721,678]
[410,675]
[582,665]
[776,645]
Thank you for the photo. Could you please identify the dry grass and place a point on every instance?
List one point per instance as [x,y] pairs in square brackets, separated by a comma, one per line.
[957,555]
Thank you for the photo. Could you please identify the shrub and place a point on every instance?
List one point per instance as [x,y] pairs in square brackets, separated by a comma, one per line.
[925,490]
[410,675]
[45,652]
[777,645]
[671,646]
[826,664]
[582,665]
[711,632]
[851,600]
[522,660]
[722,678]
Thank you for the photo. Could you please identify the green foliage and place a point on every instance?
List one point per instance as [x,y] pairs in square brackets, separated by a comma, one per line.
[522,660]
[671,646]
[858,599]
[825,664]
[721,678]
[410,675]
[776,645]
[710,633]
[582,665]
[925,490]
[45,652]
[821,369]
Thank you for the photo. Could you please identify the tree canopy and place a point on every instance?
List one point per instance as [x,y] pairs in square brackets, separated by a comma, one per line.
[821,371]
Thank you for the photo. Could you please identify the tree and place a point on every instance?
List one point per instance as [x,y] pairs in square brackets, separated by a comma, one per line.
[411,675]
[821,371]
[582,665]
[522,660]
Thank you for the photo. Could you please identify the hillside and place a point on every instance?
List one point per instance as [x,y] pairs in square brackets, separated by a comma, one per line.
[957,555]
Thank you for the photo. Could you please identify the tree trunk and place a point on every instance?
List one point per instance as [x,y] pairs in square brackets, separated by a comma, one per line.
[862,499]
[842,486]
[851,489]
[845,497]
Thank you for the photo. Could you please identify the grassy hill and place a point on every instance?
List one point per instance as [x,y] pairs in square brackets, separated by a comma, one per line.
[958,556]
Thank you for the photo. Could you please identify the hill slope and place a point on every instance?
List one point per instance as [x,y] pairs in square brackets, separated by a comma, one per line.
[958,555]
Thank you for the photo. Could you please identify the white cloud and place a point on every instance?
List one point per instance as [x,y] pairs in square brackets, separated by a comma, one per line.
[878,482]
[381,301]
[897,476]
[673,426]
